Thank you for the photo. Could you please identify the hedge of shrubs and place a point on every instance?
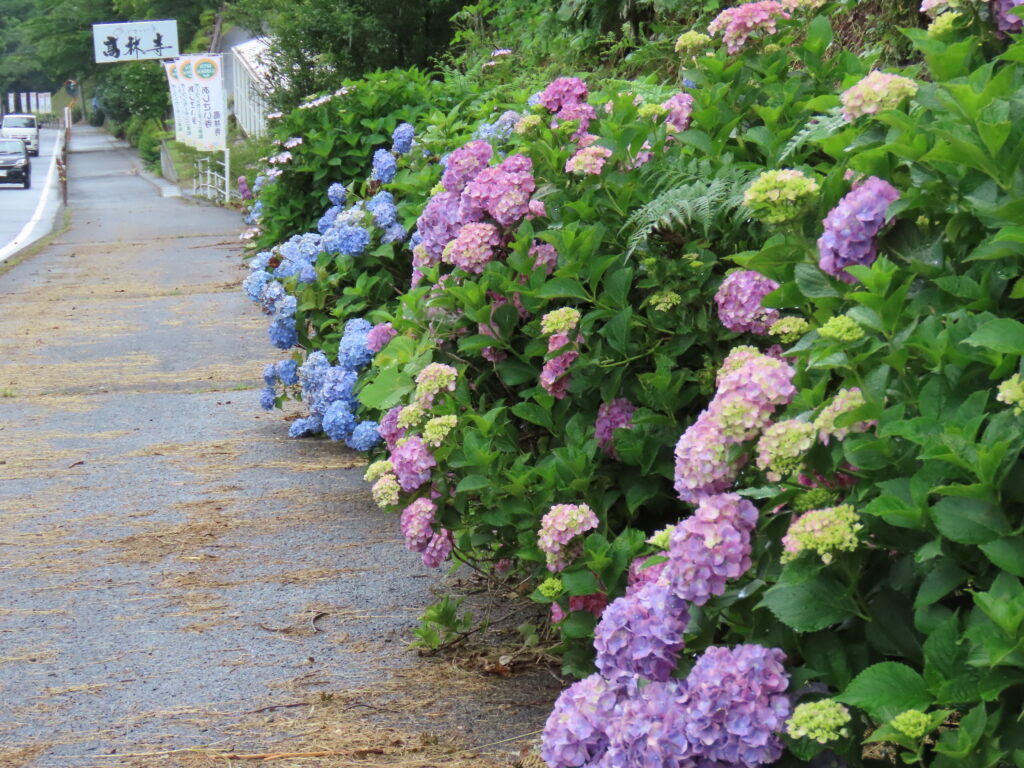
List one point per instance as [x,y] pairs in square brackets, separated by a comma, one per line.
[731,370]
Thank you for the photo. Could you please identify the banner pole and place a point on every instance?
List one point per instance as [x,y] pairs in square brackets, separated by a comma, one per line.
[227,174]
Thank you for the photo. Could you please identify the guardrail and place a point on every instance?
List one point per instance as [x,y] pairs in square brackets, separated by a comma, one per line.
[212,179]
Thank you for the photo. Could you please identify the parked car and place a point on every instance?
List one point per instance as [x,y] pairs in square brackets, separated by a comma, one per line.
[24,127]
[15,167]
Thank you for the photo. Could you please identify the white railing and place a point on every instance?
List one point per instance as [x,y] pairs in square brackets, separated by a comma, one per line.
[213,178]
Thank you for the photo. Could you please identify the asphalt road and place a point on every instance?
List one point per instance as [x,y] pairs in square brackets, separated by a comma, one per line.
[19,207]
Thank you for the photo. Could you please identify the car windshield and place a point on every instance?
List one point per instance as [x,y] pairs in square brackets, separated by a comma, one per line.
[11,147]
[19,122]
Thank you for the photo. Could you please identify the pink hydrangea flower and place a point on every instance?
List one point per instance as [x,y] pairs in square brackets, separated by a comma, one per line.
[438,549]
[544,256]
[389,429]
[559,529]
[464,164]
[739,302]
[412,463]
[679,109]
[379,336]
[473,247]
[739,23]
[503,192]
[875,93]
[589,160]
[618,414]
[417,519]
[562,92]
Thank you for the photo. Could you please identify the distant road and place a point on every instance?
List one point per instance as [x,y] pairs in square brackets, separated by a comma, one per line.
[36,206]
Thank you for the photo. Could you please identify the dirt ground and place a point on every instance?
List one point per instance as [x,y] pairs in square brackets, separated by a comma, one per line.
[180,583]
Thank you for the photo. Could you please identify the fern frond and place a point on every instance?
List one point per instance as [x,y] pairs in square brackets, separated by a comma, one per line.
[817,128]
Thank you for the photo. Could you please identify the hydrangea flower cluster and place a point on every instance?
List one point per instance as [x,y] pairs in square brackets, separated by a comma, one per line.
[841,328]
[822,531]
[566,97]
[640,634]
[776,197]
[417,524]
[588,160]
[438,428]
[576,731]
[739,302]
[384,166]
[558,530]
[750,386]
[438,548]
[692,42]
[559,323]
[874,93]
[642,571]
[432,380]
[845,401]
[473,247]
[913,723]
[1006,23]
[781,448]
[709,548]
[618,414]
[678,109]
[500,130]
[851,228]
[1011,392]
[401,138]
[944,25]
[379,336]
[734,705]
[822,721]
[593,604]
[789,329]
[739,23]
[412,463]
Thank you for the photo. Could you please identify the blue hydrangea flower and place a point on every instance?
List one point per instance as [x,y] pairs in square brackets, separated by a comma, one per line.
[364,437]
[393,234]
[283,336]
[357,325]
[267,396]
[260,260]
[255,283]
[339,421]
[271,293]
[384,166]
[402,137]
[312,373]
[354,351]
[287,372]
[311,425]
[415,240]
[336,386]
[352,241]
[269,374]
[327,220]
[337,193]
[534,100]
[307,274]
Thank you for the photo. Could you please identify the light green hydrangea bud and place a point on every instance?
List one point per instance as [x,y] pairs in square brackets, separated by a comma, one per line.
[560,320]
[841,328]
[437,429]
[663,302]
[551,588]
[815,498]
[377,469]
[845,401]
[385,490]
[782,447]
[913,723]
[1011,392]
[437,189]
[692,42]
[528,124]
[649,111]
[821,721]
[822,531]
[411,415]
[780,196]
[660,539]
[770,48]
[944,27]
[789,329]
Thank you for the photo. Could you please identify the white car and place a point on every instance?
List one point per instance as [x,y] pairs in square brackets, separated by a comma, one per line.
[24,127]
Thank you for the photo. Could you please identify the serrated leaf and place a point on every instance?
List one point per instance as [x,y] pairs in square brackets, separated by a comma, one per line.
[885,690]
[813,283]
[1007,553]
[808,605]
[473,483]
[1000,335]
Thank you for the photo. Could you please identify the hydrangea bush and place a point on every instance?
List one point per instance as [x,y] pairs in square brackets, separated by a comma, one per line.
[777,309]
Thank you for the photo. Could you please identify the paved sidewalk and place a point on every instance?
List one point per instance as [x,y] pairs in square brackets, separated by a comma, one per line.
[173,568]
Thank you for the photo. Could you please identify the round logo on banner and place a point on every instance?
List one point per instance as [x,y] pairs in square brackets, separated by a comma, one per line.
[172,70]
[206,68]
[186,69]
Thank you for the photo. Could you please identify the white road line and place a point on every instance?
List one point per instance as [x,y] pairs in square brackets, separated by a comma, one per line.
[22,237]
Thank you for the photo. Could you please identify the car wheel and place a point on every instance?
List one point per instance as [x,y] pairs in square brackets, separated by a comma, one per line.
[28,182]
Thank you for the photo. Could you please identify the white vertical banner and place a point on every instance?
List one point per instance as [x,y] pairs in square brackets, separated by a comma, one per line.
[178,102]
[208,72]
[191,94]
[26,104]
[45,103]
[10,101]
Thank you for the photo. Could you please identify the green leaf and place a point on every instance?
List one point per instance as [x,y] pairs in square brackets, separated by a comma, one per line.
[1000,335]
[473,483]
[386,390]
[579,582]
[969,521]
[534,414]
[885,690]
[813,283]
[1007,553]
[808,605]
[940,581]
[578,624]
[562,287]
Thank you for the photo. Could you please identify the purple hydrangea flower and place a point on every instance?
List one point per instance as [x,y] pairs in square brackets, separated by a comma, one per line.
[679,109]
[641,634]
[649,731]
[709,548]
[379,336]
[412,462]
[739,302]
[618,414]
[464,164]
[576,730]
[640,573]
[1006,22]
[734,706]
[562,92]
[503,192]
[417,519]
[438,225]
[389,429]
[438,549]
[851,228]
